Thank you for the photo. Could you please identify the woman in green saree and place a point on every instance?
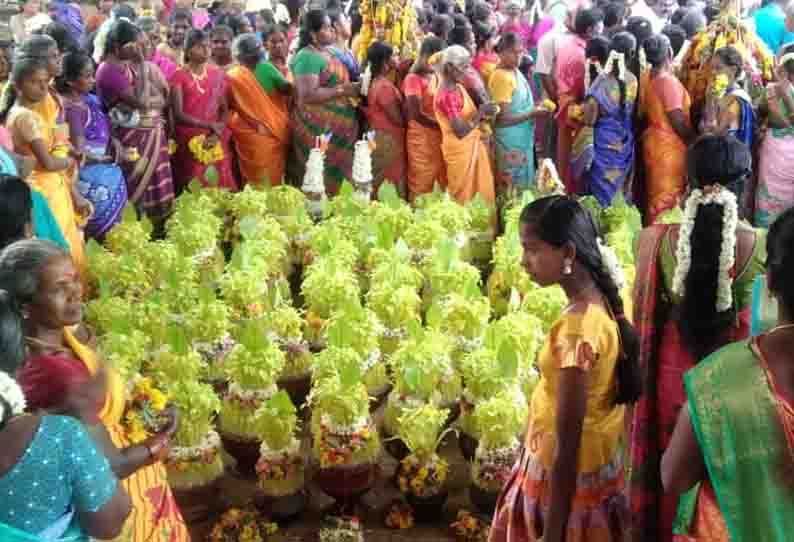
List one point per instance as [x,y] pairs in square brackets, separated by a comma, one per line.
[323,105]
[736,434]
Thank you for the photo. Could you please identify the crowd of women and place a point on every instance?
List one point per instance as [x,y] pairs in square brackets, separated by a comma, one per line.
[650,420]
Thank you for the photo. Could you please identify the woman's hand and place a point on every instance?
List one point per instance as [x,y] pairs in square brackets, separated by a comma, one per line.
[351,89]
[488,109]
[82,206]
[171,416]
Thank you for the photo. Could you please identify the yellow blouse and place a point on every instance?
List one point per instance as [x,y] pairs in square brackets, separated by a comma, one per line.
[589,340]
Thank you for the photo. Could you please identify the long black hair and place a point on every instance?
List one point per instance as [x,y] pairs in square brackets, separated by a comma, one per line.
[657,50]
[73,65]
[622,43]
[378,56]
[121,33]
[313,21]
[597,48]
[16,206]
[780,259]
[558,220]
[712,159]
[731,57]
[194,36]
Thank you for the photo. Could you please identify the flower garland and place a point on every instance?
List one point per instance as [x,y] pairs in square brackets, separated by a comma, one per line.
[469,528]
[180,457]
[207,156]
[238,525]
[611,264]
[338,444]
[279,464]
[730,219]
[142,417]
[422,479]
[12,393]
[342,529]
[492,468]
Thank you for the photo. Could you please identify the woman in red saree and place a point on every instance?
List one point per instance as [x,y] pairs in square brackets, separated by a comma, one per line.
[385,117]
[679,328]
[198,100]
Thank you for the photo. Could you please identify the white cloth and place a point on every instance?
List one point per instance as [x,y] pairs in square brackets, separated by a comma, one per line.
[641,9]
[547,50]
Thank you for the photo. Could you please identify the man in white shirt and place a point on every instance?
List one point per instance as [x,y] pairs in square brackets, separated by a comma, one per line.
[641,9]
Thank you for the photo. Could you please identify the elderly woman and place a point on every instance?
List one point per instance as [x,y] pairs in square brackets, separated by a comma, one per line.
[465,153]
[323,104]
[80,499]
[43,284]
[259,119]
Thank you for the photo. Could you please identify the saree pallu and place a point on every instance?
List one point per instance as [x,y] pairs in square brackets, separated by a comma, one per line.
[262,156]
[389,156]
[55,186]
[775,191]
[155,516]
[736,411]
[337,117]
[426,164]
[515,145]
[599,509]
[150,184]
[613,142]
[664,156]
[467,161]
[202,104]
[663,361]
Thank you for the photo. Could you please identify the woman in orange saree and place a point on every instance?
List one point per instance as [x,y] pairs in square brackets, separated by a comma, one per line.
[465,153]
[423,135]
[51,297]
[259,118]
[664,141]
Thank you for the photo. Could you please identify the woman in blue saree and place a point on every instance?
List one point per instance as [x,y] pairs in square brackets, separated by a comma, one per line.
[101,180]
[608,108]
[514,127]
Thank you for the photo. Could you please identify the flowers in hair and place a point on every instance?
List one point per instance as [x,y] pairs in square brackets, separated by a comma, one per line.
[13,395]
[620,58]
[730,218]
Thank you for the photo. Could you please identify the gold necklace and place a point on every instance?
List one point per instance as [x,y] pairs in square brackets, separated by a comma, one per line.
[199,78]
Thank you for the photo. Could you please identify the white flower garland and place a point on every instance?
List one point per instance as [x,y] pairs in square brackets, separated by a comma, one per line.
[730,219]
[612,264]
[210,442]
[620,58]
[12,393]
[290,450]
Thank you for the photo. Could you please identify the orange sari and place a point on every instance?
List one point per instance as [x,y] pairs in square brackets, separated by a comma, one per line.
[155,515]
[663,151]
[423,144]
[468,164]
[262,153]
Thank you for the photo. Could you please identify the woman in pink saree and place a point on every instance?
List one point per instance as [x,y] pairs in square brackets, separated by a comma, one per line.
[198,100]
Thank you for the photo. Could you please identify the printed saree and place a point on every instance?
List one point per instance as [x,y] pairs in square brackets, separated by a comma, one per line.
[664,153]
[613,139]
[775,191]
[733,401]
[336,116]
[664,359]
[515,145]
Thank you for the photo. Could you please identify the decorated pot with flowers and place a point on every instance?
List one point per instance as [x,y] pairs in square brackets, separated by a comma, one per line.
[196,231]
[486,371]
[328,284]
[287,205]
[280,468]
[422,475]
[447,273]
[284,326]
[194,463]
[422,372]
[345,440]
[243,525]
[252,368]
[464,317]
[354,330]
[209,329]
[500,422]
[396,306]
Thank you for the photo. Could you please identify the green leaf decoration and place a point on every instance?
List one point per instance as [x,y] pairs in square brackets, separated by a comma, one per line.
[194,186]
[349,374]
[434,315]
[411,376]
[515,301]
[211,175]
[346,190]
[388,195]
[508,358]
[177,339]
[281,403]
[129,214]
[414,329]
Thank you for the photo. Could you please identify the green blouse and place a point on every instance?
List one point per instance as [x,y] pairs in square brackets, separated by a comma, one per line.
[742,285]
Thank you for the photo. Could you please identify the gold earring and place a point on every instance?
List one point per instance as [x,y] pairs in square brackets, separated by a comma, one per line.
[566,268]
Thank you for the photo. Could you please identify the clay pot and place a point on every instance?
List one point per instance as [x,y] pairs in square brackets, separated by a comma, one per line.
[246,452]
[483,500]
[282,509]
[297,387]
[197,504]
[427,509]
[468,446]
[346,482]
